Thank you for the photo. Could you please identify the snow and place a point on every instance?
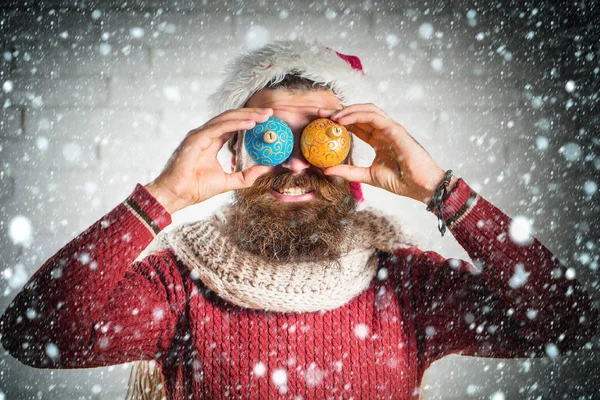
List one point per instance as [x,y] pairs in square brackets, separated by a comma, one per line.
[472,389]
[498,396]
[8,86]
[257,36]
[84,258]
[542,143]
[16,276]
[105,49]
[520,230]
[392,40]
[31,313]
[571,151]
[520,276]
[552,350]
[382,274]
[42,143]
[469,318]
[437,64]
[531,313]
[96,14]
[259,369]
[361,331]
[172,93]
[330,14]
[72,152]
[20,230]
[158,313]
[313,375]
[590,188]
[426,31]
[52,351]
[430,331]
[570,86]
[537,102]
[279,377]
[136,32]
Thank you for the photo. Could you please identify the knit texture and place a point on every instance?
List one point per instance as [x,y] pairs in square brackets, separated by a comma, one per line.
[251,281]
[98,307]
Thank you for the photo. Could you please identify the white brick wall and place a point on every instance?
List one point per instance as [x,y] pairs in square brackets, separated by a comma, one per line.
[97,93]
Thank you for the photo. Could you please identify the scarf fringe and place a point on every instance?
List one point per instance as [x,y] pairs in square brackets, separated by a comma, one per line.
[145,382]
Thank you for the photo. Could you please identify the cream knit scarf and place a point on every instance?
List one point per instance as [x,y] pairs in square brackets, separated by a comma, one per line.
[250,281]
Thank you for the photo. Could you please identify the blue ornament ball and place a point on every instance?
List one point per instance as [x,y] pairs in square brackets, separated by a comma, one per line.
[270,142]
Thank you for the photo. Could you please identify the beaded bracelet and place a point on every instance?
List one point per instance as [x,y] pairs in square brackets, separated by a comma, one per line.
[438,199]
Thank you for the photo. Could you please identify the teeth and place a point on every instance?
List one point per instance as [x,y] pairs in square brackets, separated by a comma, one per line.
[296,191]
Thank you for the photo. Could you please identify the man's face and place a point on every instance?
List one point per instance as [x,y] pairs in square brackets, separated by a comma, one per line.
[297,109]
[309,220]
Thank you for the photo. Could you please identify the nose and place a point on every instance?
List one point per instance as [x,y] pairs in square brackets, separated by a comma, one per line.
[296,161]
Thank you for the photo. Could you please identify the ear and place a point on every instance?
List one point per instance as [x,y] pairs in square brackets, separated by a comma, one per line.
[233,162]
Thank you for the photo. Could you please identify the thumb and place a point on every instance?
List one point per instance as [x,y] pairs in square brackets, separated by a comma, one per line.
[244,179]
[351,173]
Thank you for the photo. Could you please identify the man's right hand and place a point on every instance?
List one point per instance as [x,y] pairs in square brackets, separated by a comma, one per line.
[194,174]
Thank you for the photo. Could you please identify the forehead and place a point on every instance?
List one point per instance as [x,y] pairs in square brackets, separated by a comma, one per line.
[296,108]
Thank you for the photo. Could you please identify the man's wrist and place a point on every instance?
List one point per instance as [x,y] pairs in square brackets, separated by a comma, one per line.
[430,190]
[165,197]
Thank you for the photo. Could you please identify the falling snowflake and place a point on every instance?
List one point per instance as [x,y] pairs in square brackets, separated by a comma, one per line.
[521,230]
[20,230]
[313,375]
[361,331]
[520,276]
[259,369]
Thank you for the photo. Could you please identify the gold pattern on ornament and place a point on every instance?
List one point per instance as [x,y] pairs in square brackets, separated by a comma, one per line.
[325,143]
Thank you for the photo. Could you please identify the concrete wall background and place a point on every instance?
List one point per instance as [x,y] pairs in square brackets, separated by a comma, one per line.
[96,95]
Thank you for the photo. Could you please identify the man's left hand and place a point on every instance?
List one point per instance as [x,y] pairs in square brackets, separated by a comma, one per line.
[401,166]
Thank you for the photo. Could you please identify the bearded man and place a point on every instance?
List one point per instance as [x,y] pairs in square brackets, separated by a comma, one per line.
[296,290]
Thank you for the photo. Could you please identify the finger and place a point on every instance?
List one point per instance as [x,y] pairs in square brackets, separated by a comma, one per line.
[238,115]
[325,113]
[221,128]
[351,173]
[363,132]
[367,107]
[365,117]
[244,179]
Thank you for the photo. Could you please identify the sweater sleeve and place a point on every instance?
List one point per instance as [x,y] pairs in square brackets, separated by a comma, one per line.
[519,301]
[90,304]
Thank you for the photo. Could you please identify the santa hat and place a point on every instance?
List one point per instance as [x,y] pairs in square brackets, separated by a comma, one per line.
[255,70]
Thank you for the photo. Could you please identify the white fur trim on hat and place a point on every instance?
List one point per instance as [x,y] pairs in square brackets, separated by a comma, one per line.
[254,70]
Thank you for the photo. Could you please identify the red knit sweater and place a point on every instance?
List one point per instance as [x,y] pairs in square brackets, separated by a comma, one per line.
[91,305]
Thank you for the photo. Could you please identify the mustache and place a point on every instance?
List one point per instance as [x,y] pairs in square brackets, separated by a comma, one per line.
[329,188]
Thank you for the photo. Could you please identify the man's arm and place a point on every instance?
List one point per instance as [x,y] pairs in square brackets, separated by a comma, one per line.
[89,306]
[520,302]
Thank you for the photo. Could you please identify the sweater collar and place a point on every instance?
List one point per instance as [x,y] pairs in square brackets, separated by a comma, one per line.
[249,281]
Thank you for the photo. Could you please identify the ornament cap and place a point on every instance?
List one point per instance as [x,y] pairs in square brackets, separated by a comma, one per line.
[335,131]
[270,137]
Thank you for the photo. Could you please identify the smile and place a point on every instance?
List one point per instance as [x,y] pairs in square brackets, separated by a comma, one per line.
[293,194]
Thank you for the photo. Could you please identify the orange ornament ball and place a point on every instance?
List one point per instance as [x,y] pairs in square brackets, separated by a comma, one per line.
[325,143]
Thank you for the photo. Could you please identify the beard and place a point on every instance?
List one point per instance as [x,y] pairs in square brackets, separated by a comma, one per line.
[312,230]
